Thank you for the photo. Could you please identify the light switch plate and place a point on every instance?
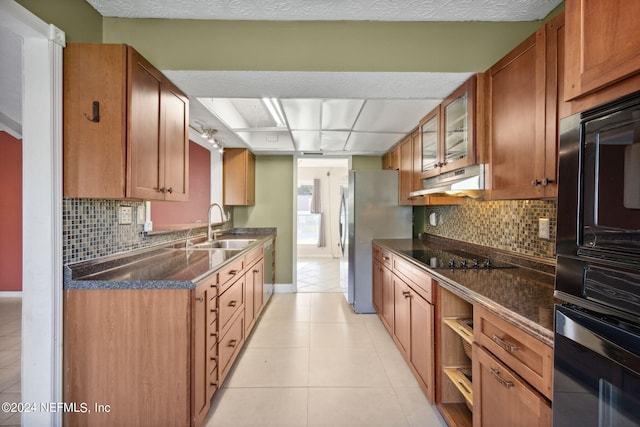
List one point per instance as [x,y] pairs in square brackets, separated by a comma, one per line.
[125,215]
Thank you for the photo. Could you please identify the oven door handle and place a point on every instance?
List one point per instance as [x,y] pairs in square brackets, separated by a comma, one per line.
[594,334]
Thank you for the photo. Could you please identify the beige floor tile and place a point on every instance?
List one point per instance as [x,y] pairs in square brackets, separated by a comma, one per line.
[355,407]
[332,307]
[417,409]
[346,367]
[263,407]
[340,335]
[288,308]
[271,367]
[278,334]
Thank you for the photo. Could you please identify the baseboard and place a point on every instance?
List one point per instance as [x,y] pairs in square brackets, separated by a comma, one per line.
[284,288]
[11,294]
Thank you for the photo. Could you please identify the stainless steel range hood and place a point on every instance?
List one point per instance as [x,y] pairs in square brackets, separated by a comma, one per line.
[468,181]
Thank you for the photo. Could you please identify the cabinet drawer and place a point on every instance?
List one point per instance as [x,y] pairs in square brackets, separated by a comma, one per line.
[527,356]
[228,273]
[382,255]
[416,277]
[211,282]
[230,345]
[230,302]
[253,256]
[502,398]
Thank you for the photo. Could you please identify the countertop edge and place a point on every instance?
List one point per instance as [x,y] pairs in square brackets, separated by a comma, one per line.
[538,331]
[70,284]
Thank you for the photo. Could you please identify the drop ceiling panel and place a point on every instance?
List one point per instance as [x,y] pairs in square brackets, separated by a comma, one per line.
[307,140]
[334,140]
[340,114]
[268,141]
[303,114]
[372,142]
[254,112]
[399,115]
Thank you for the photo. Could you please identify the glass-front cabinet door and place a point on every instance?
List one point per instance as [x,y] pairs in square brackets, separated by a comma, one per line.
[448,132]
[429,127]
[458,148]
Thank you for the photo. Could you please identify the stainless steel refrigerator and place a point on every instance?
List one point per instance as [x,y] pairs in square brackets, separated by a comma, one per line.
[370,210]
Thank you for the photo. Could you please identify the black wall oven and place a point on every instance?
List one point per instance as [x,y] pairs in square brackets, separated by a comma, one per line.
[597,331]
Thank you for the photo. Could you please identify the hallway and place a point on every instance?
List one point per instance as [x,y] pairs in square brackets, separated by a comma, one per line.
[311,361]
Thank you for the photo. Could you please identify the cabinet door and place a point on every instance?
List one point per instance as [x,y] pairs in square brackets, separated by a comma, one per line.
[422,343]
[501,398]
[603,44]
[376,285]
[401,315]
[516,108]
[258,284]
[390,161]
[249,283]
[430,129]
[175,124]
[458,127]
[145,148]
[416,154]
[406,172]
[200,356]
[238,177]
[387,299]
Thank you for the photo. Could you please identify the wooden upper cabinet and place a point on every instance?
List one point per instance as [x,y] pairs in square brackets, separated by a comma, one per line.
[523,103]
[603,44]
[125,127]
[239,186]
[391,160]
[450,131]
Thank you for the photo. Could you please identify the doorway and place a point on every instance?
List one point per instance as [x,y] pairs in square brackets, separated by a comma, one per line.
[318,251]
[41,131]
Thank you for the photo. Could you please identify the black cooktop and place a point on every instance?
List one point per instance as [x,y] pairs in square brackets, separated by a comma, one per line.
[453,259]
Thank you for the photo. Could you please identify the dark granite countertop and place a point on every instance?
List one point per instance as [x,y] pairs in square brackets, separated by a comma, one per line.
[168,266]
[522,296]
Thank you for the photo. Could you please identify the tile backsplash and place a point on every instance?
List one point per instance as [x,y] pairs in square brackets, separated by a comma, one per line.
[90,230]
[510,225]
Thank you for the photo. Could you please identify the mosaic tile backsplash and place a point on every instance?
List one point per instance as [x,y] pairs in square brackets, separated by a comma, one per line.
[90,230]
[510,225]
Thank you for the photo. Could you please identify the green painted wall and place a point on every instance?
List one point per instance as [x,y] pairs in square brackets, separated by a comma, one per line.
[366,162]
[273,208]
[79,21]
[318,45]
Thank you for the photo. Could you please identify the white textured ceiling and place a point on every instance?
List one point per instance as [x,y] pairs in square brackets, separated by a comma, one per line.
[386,105]
[333,10]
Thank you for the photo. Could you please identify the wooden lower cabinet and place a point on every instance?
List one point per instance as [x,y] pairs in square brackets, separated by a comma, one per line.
[157,356]
[405,309]
[502,398]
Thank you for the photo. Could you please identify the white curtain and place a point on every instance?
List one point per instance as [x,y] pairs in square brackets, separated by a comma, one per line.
[316,208]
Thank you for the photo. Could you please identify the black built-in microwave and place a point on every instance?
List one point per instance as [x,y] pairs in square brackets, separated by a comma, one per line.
[598,223]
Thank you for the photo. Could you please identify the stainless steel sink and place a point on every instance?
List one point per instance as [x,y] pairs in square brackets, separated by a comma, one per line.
[224,244]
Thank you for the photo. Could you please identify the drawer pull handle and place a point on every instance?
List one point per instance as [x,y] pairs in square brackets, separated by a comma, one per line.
[233,272]
[214,358]
[214,334]
[200,299]
[233,303]
[233,343]
[406,294]
[511,348]
[214,310]
[496,375]
[256,271]
[386,258]
[464,332]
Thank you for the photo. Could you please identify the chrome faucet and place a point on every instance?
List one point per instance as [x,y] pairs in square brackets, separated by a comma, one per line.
[223,219]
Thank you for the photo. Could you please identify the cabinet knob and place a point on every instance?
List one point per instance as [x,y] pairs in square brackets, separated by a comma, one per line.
[535,182]
[546,181]
[170,190]
[162,190]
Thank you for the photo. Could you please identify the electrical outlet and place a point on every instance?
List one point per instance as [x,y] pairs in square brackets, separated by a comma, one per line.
[125,215]
[544,231]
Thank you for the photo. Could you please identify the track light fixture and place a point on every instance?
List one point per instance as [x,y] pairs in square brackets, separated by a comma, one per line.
[208,134]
